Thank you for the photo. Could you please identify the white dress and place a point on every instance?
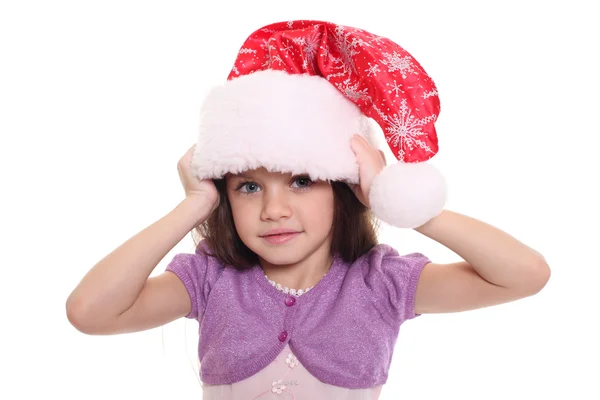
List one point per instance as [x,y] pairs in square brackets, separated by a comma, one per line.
[285,378]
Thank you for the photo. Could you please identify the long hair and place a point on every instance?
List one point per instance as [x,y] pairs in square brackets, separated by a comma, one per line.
[354,229]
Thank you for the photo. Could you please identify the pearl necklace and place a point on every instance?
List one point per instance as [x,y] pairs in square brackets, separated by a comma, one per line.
[287,290]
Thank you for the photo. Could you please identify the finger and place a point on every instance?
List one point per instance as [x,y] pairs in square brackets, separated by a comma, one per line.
[371,148]
[363,145]
[362,140]
[382,157]
[356,145]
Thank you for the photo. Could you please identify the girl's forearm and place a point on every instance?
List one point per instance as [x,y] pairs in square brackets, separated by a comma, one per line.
[498,257]
[114,283]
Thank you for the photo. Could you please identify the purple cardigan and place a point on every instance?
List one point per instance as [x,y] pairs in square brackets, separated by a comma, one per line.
[343,330]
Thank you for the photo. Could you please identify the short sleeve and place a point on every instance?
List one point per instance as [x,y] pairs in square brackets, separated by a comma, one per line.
[393,279]
[198,272]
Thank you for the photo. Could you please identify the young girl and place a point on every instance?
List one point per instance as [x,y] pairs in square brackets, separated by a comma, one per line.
[293,294]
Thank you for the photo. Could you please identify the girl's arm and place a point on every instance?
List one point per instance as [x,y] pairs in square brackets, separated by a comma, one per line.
[498,257]
[113,285]
[497,267]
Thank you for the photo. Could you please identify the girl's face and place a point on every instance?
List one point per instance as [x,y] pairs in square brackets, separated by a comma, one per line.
[264,202]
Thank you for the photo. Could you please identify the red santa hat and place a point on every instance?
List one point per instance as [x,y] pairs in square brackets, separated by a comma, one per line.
[298,92]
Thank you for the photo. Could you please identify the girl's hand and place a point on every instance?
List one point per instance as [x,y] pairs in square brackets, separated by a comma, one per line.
[203,190]
[370,161]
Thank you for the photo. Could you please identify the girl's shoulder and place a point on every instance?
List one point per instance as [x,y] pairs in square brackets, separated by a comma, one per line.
[200,266]
[385,264]
[199,272]
[383,252]
[391,277]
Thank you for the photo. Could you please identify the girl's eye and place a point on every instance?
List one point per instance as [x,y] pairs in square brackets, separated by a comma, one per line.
[303,182]
[248,187]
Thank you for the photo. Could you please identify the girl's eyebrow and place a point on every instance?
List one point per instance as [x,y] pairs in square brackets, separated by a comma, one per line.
[243,176]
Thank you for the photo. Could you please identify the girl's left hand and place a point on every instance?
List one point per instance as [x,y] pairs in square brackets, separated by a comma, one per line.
[370,161]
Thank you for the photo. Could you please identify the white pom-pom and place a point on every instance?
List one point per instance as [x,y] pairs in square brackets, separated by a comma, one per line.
[406,195]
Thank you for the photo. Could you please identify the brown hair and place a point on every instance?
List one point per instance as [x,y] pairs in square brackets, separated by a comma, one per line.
[354,229]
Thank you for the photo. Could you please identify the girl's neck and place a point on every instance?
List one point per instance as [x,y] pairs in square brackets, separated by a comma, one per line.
[301,275]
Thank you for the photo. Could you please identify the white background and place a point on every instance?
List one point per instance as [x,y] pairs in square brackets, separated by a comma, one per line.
[99,100]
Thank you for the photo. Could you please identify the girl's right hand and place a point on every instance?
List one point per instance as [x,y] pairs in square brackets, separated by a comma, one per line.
[204,190]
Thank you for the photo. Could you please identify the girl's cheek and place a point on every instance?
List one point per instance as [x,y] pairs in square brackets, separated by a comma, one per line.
[245,204]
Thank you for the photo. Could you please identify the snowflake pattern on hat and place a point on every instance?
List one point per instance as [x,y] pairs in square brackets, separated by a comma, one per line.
[376,74]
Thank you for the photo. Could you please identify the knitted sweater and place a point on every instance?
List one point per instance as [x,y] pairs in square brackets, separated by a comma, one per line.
[343,330]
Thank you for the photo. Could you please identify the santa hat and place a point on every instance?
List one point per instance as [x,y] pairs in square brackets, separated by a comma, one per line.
[298,92]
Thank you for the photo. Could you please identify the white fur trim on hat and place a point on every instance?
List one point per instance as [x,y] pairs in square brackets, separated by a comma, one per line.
[293,123]
[406,195]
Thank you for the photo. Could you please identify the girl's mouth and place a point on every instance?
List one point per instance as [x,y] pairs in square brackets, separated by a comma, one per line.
[281,238]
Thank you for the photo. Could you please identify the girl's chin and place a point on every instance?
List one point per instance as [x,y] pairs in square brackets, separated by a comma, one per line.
[280,255]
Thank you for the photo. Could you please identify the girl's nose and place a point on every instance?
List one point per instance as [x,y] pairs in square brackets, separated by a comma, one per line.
[275,205]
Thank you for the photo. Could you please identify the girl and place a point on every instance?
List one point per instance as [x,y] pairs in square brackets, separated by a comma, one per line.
[292,291]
